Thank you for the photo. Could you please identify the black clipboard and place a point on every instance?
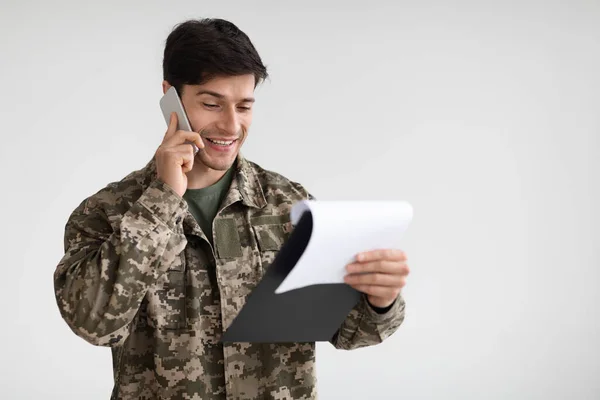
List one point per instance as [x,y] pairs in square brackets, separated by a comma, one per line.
[309,314]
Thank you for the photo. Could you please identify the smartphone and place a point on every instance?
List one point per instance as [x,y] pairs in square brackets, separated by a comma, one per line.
[170,103]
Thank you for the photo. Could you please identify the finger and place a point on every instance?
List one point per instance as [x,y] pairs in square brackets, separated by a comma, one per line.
[182,154]
[378,291]
[198,143]
[181,137]
[172,127]
[381,254]
[381,266]
[375,279]
[188,160]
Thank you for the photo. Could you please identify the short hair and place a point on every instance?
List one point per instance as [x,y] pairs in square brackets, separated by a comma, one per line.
[199,50]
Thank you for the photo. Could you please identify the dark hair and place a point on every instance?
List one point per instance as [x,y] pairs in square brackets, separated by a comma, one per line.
[198,50]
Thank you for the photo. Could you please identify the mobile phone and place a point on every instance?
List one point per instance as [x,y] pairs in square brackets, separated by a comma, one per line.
[170,103]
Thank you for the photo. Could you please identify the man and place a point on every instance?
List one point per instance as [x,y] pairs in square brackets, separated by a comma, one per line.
[157,265]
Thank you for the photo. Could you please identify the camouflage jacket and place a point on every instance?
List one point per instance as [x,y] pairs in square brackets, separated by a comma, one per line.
[139,276]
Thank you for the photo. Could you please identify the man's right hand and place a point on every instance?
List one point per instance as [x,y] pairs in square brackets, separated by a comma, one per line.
[175,157]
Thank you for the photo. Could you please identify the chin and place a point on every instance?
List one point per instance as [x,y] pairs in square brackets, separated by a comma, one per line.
[218,164]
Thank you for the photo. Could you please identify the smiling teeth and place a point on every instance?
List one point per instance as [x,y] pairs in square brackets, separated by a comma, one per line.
[220,142]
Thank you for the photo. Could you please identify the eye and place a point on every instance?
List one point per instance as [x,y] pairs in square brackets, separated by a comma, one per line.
[244,108]
[207,105]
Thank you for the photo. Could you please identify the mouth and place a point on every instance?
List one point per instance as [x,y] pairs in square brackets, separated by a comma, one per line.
[220,144]
[223,143]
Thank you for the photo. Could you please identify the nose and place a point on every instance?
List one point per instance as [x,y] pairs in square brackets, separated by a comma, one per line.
[229,122]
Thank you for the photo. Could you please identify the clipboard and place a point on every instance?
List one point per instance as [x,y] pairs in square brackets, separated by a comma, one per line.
[308,314]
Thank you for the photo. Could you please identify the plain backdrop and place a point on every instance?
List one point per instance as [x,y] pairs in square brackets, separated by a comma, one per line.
[484,115]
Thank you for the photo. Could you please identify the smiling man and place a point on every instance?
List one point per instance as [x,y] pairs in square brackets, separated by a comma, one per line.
[158,264]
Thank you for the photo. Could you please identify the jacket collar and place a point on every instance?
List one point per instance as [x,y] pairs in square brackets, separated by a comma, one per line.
[245,185]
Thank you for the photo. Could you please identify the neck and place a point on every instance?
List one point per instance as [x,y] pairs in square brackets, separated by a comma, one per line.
[202,176]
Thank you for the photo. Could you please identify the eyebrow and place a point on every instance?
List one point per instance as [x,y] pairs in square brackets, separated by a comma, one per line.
[220,96]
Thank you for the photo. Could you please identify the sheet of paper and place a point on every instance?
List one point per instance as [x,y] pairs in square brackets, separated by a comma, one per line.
[341,230]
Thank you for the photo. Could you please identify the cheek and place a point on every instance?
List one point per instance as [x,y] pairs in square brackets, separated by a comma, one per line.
[199,118]
[246,122]
[245,126]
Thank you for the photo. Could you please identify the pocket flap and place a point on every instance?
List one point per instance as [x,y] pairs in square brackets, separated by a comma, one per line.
[271,237]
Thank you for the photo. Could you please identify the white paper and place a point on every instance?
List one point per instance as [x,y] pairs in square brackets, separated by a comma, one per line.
[341,230]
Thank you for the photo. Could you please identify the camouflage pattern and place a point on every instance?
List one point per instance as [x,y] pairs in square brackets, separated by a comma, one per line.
[139,276]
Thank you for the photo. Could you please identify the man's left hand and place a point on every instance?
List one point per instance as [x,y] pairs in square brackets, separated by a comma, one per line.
[380,274]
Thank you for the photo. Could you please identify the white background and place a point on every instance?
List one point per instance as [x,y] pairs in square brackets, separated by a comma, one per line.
[484,115]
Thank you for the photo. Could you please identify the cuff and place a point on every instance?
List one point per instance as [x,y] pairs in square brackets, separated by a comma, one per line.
[377,314]
[164,203]
[380,310]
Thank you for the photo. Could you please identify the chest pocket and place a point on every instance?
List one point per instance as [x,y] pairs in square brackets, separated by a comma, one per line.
[271,233]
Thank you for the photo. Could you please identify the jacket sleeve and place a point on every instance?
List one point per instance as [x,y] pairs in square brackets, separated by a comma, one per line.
[366,327]
[104,274]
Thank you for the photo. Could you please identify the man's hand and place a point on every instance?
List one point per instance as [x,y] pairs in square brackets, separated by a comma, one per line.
[175,157]
[380,274]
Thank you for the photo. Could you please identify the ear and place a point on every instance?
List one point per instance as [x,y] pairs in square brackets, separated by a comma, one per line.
[165,86]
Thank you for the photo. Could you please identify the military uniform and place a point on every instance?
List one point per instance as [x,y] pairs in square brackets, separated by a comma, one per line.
[140,276]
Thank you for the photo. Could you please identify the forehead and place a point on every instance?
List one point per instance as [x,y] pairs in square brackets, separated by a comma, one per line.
[231,88]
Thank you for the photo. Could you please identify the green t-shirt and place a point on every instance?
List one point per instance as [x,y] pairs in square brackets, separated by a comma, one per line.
[204,203]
